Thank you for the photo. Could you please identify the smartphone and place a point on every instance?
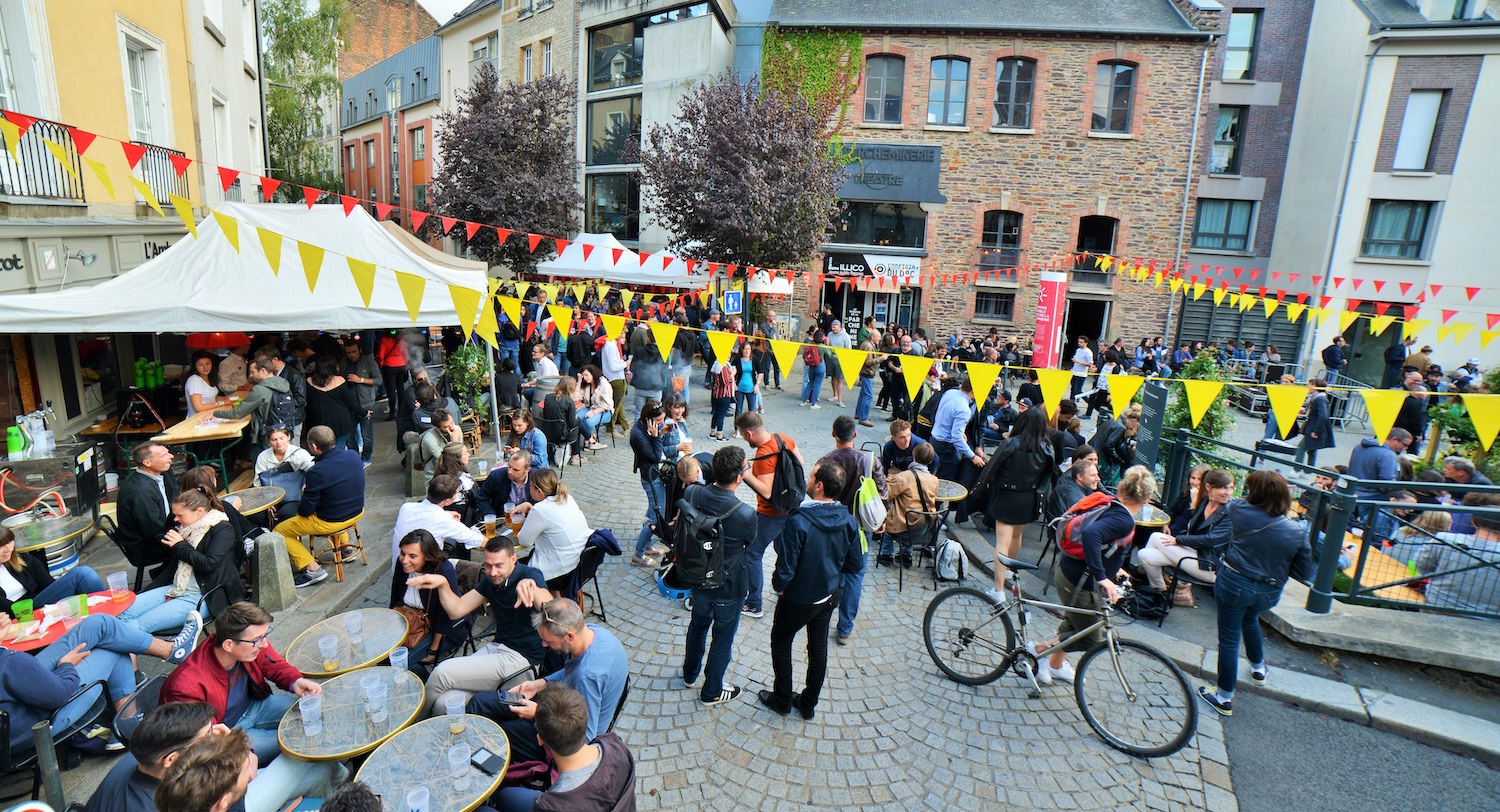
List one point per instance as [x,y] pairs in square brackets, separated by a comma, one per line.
[487,762]
[512,698]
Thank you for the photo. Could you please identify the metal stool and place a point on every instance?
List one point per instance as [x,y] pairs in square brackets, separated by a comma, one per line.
[338,538]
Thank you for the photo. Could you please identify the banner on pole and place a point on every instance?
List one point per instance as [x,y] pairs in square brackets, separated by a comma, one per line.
[1049,314]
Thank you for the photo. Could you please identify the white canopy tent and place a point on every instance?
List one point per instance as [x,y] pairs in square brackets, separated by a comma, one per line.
[629,270]
[204,285]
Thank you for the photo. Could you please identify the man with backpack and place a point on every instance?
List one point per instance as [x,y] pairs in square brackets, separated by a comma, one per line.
[268,403]
[717,529]
[777,479]
[856,465]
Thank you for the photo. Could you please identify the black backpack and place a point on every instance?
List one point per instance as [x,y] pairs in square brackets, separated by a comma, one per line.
[922,426]
[280,411]
[509,331]
[698,547]
[789,482]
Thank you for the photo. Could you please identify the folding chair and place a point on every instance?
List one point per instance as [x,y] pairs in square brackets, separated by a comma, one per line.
[142,701]
[588,572]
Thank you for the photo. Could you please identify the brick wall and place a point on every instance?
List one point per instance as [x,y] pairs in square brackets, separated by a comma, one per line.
[1055,175]
[1455,74]
[379,28]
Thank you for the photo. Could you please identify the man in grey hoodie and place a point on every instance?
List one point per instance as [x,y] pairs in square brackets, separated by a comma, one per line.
[258,404]
[819,543]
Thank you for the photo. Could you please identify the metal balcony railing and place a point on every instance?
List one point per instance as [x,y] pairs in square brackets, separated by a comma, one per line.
[1002,259]
[156,169]
[475,65]
[35,171]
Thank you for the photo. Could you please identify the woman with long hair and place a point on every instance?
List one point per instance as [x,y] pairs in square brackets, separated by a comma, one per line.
[1116,444]
[555,529]
[596,404]
[282,455]
[454,461]
[1198,541]
[746,370]
[816,369]
[525,436]
[202,387]
[25,576]
[332,402]
[721,390]
[1317,429]
[675,435]
[560,414]
[1017,474]
[649,450]
[1186,503]
[206,553]
[420,554]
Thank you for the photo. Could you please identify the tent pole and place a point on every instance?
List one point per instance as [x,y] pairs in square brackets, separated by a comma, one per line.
[489,355]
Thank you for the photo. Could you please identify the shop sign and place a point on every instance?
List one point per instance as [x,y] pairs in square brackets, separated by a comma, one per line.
[894,172]
[904,270]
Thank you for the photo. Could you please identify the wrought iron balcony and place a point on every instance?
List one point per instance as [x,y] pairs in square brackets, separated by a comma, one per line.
[1086,272]
[1001,259]
[156,169]
[35,171]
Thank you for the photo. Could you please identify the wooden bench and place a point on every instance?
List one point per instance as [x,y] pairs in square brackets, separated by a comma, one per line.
[246,479]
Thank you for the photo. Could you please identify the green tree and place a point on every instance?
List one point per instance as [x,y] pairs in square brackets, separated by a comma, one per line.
[301,45]
[1217,421]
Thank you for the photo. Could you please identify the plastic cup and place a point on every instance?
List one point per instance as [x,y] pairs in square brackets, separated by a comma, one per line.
[366,683]
[484,468]
[453,706]
[375,701]
[354,622]
[311,708]
[418,799]
[22,610]
[458,765]
[328,646]
[118,585]
[80,606]
[398,658]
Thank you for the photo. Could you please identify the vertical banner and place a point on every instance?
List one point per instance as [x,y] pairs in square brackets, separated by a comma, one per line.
[1049,315]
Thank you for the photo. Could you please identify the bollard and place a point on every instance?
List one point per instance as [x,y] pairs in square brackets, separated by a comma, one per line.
[1320,597]
[46,764]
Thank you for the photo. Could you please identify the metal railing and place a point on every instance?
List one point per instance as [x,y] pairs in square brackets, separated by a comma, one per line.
[156,169]
[35,172]
[995,258]
[476,65]
[1086,272]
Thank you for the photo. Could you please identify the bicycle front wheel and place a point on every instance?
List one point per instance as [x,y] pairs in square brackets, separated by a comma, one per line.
[968,636]
[1136,699]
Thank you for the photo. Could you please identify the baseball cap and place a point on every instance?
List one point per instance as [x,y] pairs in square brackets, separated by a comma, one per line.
[1473,362]
[1026,402]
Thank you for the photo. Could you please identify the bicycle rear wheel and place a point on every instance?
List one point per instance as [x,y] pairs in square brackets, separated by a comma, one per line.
[1137,700]
[968,636]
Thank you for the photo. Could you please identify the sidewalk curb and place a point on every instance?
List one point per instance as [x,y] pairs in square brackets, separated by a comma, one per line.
[1419,721]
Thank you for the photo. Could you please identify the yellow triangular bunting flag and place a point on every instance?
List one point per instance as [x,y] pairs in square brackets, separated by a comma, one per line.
[488,326]
[1347,318]
[1055,385]
[1461,331]
[147,194]
[511,307]
[1201,396]
[914,371]
[612,324]
[1378,324]
[1444,333]
[184,209]
[722,342]
[412,286]
[785,352]
[1177,284]
[312,264]
[1486,336]
[1270,305]
[1198,289]
[1246,302]
[1414,326]
[466,305]
[562,317]
[627,296]
[850,361]
[270,243]
[12,134]
[363,273]
[1122,389]
[982,379]
[1286,402]
[1484,410]
[1294,311]
[231,229]
[664,334]
[101,172]
[1219,295]
[60,154]
[1383,405]
[1324,314]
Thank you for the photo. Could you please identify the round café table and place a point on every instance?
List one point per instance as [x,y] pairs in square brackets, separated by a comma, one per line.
[258,499]
[100,603]
[348,730]
[1150,519]
[384,630]
[418,755]
[949,491]
[60,538]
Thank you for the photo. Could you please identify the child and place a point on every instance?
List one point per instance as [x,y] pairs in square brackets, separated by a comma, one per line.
[721,391]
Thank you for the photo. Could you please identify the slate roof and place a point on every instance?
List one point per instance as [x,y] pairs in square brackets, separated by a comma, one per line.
[1401,14]
[1127,17]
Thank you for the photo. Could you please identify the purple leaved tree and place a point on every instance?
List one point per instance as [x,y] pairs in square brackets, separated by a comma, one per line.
[743,174]
[508,160]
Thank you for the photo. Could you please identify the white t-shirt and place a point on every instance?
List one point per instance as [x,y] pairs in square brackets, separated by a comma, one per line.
[14,590]
[557,533]
[1083,358]
[197,386]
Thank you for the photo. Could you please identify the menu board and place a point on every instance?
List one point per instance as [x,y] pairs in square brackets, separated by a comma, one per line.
[1153,413]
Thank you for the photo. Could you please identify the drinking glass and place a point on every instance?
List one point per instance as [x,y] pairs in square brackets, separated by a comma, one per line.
[328,646]
[489,524]
[311,708]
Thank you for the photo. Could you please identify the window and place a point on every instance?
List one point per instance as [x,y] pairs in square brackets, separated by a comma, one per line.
[419,196]
[419,144]
[351,158]
[1013,88]
[614,206]
[526,64]
[393,94]
[1461,10]
[1414,147]
[483,52]
[948,92]
[213,11]
[1396,229]
[994,305]
[1223,225]
[140,62]
[1113,85]
[613,125]
[902,225]
[7,73]
[883,78]
[1000,243]
[370,154]
[1239,50]
[1229,135]
[547,57]
[616,54]
[223,153]
[250,32]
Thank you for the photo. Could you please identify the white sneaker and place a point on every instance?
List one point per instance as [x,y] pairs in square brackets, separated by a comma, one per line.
[1043,673]
[1002,598]
[1063,673]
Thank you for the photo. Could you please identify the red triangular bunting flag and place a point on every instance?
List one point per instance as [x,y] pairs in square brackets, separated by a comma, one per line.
[1276,276]
[1436,289]
[383,210]
[643,256]
[311,195]
[447,223]
[1244,287]
[1471,293]
[1379,284]
[502,234]
[227,177]
[470,229]
[133,152]
[530,328]
[180,164]
[1448,314]
[417,219]
[349,204]
[617,253]
[532,241]
[1223,284]
[22,122]
[1354,304]
[1302,298]
[1408,312]
[562,245]
[1357,282]
[1338,281]
[1237,272]
[1324,300]
[1317,281]
[82,139]
[691,264]
[1405,288]
[268,188]
[1261,289]
[1421,297]
[1381,307]
[588,248]
[1254,274]
[1492,319]
[1292,278]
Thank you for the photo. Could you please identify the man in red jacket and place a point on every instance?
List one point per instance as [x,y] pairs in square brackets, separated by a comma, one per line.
[233,672]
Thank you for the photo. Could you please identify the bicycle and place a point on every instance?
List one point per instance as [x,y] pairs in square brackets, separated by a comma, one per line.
[1141,705]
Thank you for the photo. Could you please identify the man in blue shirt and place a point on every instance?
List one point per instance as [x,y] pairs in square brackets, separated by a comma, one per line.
[948,429]
[155,746]
[898,451]
[1376,462]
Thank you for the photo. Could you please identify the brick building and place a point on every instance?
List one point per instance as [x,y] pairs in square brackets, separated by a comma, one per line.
[996,137]
[388,117]
[380,28]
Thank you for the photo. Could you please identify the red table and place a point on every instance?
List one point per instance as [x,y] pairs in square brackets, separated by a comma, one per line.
[57,630]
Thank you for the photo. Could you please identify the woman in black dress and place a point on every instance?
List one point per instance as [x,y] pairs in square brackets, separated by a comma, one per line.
[331,402]
[1019,476]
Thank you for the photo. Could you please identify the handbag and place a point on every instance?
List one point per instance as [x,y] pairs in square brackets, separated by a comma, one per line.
[289,481]
[417,625]
[679,383]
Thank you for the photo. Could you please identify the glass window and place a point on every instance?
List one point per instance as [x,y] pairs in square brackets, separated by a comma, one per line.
[419,196]
[1000,243]
[1396,228]
[393,94]
[370,154]
[859,222]
[883,79]
[948,92]
[1239,50]
[350,158]
[995,305]
[1414,146]
[1223,225]
[1113,86]
[614,206]
[547,57]
[1229,135]
[419,144]
[615,55]
[613,124]
[526,64]
[139,82]
[1013,88]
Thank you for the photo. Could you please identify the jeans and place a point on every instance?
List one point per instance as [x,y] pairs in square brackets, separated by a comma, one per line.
[110,644]
[1240,603]
[812,382]
[364,435]
[767,528]
[775,371]
[260,720]
[947,460]
[656,496]
[77,581]
[1303,452]
[344,440]
[850,584]
[281,778]
[589,426]
[792,617]
[890,541]
[514,799]
[723,616]
[564,366]
[866,397]
[513,352]
[745,402]
[721,411]
[484,670]
[154,612]
[1076,387]
[642,396]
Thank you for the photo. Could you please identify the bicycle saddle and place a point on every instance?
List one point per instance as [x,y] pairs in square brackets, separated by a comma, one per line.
[1015,563]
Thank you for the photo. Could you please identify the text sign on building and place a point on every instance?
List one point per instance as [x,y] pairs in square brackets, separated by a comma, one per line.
[904,270]
[1047,341]
[895,172]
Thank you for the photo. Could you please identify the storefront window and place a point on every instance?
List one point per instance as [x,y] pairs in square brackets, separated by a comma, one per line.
[614,203]
[902,225]
[613,125]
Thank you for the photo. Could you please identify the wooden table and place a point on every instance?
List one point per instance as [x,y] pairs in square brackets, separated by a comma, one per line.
[259,499]
[199,429]
[418,756]
[384,630]
[1380,569]
[348,730]
[112,426]
[57,630]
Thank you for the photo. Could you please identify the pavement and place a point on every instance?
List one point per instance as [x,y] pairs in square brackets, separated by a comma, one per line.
[892,733]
